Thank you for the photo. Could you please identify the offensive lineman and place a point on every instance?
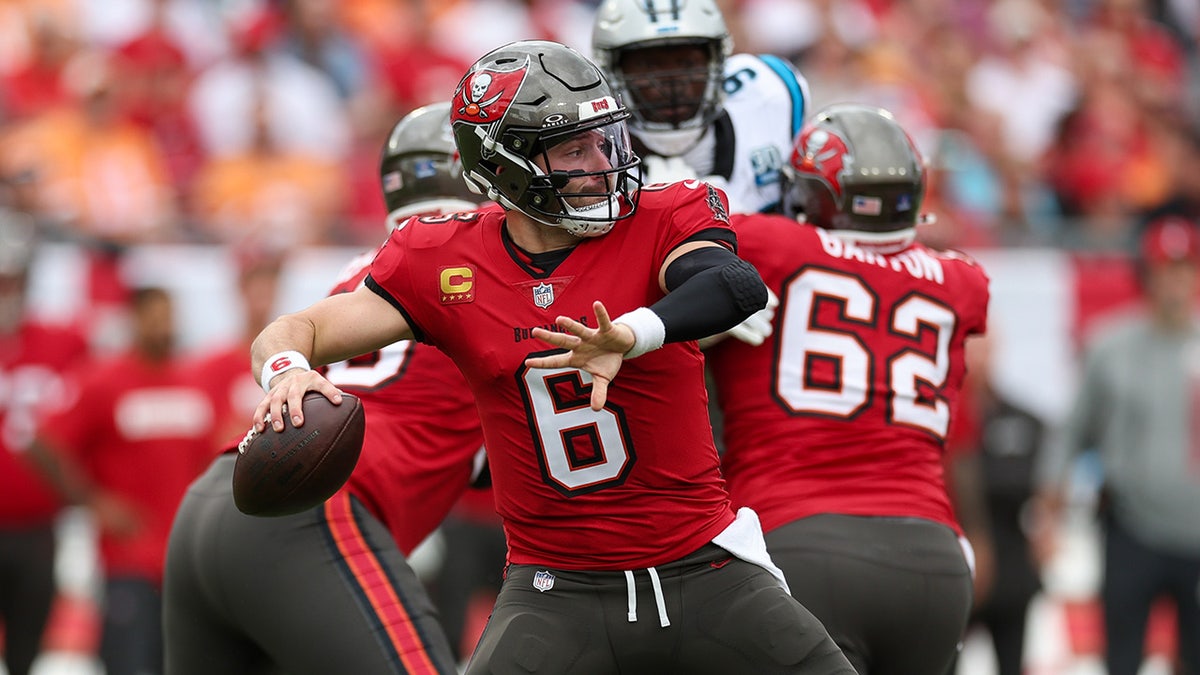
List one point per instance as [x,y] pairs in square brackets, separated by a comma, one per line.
[835,427]
[337,595]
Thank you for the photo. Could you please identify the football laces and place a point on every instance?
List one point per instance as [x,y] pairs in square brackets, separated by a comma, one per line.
[251,434]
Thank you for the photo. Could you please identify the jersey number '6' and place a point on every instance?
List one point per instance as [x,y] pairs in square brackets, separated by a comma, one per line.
[803,340]
[580,450]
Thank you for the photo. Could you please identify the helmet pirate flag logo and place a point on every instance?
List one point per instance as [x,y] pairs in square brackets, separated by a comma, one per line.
[484,95]
[824,154]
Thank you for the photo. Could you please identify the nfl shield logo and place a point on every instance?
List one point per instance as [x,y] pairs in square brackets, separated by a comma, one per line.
[543,296]
[543,580]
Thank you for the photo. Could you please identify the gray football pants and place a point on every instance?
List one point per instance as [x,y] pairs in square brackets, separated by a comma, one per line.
[320,592]
[895,593]
[722,616]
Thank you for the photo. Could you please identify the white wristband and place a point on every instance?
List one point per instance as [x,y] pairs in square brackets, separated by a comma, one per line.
[648,330]
[280,363]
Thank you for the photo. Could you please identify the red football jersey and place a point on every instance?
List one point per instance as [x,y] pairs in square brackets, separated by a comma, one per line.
[637,483]
[224,372]
[422,434]
[34,362]
[141,431]
[846,407]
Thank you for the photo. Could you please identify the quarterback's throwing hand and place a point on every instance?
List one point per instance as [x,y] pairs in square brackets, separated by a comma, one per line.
[597,351]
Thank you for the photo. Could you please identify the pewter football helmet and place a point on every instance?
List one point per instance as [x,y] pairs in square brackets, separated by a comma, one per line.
[854,168]
[419,168]
[522,99]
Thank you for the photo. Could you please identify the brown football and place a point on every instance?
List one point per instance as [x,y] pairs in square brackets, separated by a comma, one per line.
[278,473]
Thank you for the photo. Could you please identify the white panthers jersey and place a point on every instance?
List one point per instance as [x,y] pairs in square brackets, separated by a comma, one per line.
[766,100]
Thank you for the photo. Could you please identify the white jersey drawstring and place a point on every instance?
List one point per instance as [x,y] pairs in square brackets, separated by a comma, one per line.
[659,601]
[631,590]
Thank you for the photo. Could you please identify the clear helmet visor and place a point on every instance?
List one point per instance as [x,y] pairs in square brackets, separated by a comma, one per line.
[585,178]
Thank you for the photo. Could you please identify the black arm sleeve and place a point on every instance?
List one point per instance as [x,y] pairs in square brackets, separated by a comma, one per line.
[710,291]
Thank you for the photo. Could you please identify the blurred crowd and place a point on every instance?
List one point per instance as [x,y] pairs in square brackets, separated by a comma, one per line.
[1054,122]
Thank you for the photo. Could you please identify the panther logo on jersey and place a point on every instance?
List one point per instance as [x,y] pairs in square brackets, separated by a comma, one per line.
[825,155]
[483,96]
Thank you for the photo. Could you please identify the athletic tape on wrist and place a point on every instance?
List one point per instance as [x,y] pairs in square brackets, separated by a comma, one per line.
[281,363]
[649,332]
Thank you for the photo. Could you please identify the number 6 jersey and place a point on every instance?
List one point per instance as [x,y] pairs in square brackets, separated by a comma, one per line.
[634,485]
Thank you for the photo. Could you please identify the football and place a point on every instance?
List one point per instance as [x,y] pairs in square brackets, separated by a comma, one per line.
[278,473]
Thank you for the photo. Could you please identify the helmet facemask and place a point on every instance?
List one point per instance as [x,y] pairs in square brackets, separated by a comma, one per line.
[632,37]
[674,90]
[583,180]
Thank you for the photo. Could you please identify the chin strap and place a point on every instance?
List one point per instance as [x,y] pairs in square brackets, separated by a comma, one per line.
[580,223]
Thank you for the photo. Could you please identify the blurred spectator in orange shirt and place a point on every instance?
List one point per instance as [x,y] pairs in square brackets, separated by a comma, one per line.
[157,79]
[269,193]
[102,176]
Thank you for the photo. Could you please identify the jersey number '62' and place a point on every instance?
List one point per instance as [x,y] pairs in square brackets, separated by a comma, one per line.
[802,339]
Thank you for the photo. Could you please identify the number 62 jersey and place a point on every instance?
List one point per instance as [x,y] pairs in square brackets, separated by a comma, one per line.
[857,381]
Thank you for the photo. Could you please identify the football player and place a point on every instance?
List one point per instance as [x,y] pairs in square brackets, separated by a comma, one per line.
[835,427]
[330,590]
[697,109]
[1136,408]
[36,359]
[609,487]
[126,444]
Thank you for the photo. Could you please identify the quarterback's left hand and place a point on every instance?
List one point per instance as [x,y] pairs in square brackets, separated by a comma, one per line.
[598,351]
[754,330]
